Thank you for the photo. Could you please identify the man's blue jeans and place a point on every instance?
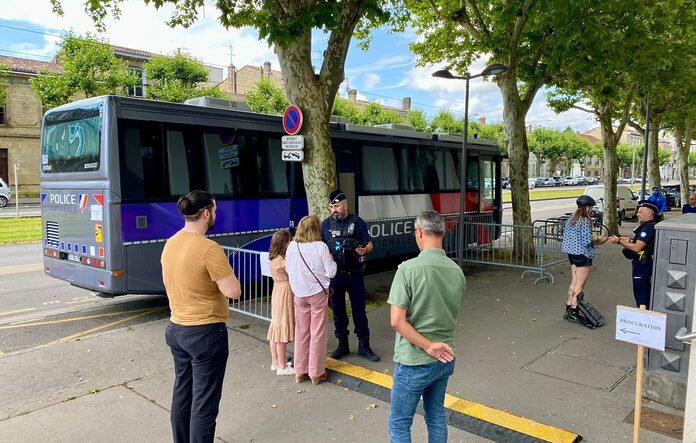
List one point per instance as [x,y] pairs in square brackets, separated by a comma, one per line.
[410,383]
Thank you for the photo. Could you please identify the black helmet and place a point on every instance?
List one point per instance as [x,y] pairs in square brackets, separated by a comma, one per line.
[585,200]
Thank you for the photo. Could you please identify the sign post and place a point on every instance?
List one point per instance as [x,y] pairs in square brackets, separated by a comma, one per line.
[645,329]
[16,168]
[292,152]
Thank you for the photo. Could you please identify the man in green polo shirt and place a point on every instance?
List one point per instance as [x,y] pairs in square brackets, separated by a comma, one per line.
[424,299]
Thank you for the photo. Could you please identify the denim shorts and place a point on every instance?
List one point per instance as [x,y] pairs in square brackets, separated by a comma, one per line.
[579,260]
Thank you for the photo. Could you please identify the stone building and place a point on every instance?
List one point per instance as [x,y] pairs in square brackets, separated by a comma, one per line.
[20,123]
[239,81]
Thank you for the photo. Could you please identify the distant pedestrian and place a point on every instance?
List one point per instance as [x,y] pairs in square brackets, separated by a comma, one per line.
[349,242]
[310,268]
[691,206]
[282,328]
[658,199]
[640,250]
[198,280]
[424,298]
[579,245]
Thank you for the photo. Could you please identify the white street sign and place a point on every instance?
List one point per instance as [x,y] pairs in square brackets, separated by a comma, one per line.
[293,142]
[647,328]
[292,156]
[16,166]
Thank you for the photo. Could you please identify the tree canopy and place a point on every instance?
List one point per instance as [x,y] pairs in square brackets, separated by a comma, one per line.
[177,78]
[89,67]
[267,97]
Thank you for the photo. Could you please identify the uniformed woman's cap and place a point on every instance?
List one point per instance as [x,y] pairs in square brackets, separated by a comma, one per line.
[336,197]
[648,204]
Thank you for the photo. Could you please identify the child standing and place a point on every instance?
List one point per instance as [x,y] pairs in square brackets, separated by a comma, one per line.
[282,329]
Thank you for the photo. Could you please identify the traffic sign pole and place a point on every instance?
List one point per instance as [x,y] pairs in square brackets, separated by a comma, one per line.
[292,198]
[639,389]
[16,168]
[292,151]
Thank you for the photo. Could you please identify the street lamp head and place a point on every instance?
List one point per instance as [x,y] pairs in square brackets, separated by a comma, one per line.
[494,69]
[443,73]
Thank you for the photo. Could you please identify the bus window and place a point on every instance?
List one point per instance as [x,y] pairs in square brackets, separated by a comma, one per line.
[71,140]
[379,173]
[472,175]
[142,162]
[178,164]
[438,170]
[271,167]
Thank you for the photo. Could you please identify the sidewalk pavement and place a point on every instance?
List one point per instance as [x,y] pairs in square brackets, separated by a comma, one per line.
[515,353]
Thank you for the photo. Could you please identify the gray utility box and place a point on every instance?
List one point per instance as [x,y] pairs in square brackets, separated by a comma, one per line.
[673,288]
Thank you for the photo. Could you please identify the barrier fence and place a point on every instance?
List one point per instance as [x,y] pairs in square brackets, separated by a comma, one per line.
[256,287]
[532,248]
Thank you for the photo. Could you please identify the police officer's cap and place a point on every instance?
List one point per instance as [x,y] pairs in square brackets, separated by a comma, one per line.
[648,204]
[336,196]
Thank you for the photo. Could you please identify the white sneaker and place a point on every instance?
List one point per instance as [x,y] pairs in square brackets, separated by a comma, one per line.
[274,366]
[288,370]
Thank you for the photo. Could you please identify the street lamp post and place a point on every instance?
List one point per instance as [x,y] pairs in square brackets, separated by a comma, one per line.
[494,69]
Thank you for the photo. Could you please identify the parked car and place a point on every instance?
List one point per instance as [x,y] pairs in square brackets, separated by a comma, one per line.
[539,182]
[582,181]
[5,194]
[626,201]
[570,181]
[592,181]
[549,182]
[558,180]
[531,182]
[672,194]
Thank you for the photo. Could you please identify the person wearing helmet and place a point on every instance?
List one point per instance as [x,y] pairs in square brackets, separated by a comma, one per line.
[578,244]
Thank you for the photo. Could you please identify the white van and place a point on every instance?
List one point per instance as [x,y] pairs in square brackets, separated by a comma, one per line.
[626,202]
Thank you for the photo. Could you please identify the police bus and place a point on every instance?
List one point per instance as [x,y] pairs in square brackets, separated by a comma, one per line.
[112,169]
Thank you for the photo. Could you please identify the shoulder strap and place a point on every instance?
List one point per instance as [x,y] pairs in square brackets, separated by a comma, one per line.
[310,269]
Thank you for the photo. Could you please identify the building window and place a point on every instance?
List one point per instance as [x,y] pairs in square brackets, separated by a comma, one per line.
[139,89]
[3,118]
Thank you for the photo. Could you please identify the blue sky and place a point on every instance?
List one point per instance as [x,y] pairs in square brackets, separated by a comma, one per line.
[385,73]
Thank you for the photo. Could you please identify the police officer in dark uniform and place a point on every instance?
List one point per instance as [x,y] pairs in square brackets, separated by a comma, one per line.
[349,241]
[640,249]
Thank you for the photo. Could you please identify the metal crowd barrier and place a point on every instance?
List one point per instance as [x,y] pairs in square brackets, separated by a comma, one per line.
[256,287]
[532,248]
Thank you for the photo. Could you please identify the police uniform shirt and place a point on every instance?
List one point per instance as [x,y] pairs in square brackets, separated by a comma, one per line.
[646,232]
[358,233]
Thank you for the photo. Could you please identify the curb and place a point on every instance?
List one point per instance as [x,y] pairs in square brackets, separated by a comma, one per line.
[475,418]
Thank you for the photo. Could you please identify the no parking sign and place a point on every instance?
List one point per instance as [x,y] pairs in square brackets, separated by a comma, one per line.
[292,120]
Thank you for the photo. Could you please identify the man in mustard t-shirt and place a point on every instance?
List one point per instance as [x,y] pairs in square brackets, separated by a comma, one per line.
[198,280]
[424,299]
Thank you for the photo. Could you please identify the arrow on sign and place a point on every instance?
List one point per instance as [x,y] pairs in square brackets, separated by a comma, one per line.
[626,331]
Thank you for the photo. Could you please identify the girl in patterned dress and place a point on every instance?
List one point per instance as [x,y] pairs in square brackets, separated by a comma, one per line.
[282,328]
[578,244]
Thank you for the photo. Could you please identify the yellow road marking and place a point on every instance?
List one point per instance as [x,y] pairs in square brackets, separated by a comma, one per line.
[108,325]
[68,320]
[16,269]
[17,311]
[466,407]
[27,321]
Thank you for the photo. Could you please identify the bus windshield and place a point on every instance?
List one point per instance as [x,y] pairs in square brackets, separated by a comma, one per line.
[71,140]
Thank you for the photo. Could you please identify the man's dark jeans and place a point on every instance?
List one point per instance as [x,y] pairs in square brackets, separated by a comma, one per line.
[200,357]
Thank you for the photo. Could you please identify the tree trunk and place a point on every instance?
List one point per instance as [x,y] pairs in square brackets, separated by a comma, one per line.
[610,168]
[684,144]
[653,156]
[514,114]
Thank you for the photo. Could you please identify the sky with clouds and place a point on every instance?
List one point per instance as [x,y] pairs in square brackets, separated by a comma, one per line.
[386,73]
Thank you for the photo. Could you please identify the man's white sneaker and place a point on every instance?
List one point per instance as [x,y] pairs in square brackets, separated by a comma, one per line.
[274,367]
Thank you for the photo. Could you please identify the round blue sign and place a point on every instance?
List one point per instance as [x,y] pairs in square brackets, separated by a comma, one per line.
[292,120]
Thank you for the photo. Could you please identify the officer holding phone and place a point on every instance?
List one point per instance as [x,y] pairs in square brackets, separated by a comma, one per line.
[349,242]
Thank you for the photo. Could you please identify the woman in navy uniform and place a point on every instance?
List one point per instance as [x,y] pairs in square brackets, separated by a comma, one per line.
[640,249]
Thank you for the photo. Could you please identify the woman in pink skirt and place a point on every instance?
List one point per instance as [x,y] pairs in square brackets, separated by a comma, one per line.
[282,329]
[310,268]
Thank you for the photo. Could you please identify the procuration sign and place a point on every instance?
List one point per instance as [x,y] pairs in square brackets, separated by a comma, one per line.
[641,327]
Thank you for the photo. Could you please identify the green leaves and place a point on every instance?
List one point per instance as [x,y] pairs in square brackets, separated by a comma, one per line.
[177,78]
[89,67]
[266,97]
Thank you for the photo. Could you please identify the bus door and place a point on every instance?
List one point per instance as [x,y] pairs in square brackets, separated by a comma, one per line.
[489,202]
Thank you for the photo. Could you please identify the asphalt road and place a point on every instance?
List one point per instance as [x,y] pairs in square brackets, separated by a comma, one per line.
[28,209]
